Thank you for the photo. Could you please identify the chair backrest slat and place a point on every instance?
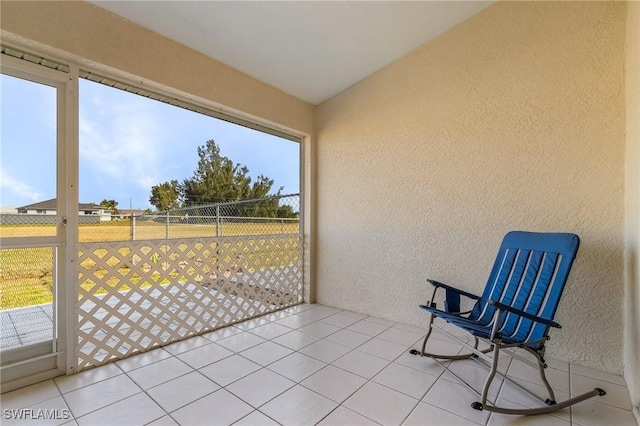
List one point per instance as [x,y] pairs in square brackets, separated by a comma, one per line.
[532,278]
[529,274]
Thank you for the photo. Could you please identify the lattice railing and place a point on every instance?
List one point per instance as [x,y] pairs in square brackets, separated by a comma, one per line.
[136,295]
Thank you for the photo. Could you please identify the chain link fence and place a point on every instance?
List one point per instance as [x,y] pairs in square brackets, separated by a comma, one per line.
[272,215]
[20,219]
[38,225]
[27,287]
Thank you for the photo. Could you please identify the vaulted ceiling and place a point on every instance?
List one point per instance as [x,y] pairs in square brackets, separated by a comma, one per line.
[309,49]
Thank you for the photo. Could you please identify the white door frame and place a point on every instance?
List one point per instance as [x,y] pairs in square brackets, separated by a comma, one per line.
[59,361]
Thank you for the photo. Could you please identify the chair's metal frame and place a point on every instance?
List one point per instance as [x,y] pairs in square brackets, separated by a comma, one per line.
[495,345]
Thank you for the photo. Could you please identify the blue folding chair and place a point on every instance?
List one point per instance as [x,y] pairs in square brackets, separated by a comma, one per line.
[516,310]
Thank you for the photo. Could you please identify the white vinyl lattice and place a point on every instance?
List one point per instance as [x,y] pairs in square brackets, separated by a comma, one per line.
[136,295]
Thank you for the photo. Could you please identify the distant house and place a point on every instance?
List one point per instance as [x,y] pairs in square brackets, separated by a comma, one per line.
[49,207]
[125,214]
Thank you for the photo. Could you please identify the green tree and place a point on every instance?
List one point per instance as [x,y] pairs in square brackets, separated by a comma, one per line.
[218,179]
[286,211]
[111,205]
[165,196]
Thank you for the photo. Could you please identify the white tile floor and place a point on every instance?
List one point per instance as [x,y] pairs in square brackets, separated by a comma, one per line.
[306,365]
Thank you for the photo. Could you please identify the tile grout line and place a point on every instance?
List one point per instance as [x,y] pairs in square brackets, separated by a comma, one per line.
[298,382]
[327,364]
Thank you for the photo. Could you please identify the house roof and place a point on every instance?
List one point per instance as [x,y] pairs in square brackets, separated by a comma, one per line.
[52,204]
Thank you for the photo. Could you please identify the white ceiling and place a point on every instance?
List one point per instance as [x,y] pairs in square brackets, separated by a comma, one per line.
[309,49]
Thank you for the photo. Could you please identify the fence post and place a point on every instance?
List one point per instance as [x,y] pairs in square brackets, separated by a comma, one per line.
[166,232]
[133,227]
[217,221]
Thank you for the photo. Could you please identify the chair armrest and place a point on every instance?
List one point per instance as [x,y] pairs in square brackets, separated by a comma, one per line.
[455,290]
[452,296]
[524,314]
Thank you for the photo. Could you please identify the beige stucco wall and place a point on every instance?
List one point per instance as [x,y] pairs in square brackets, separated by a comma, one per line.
[632,211]
[515,119]
[95,36]
[512,120]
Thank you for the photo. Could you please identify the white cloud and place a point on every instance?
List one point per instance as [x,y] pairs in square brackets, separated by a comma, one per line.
[129,143]
[120,142]
[20,190]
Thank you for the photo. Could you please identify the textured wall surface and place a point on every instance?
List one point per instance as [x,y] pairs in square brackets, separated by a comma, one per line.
[93,34]
[515,119]
[632,210]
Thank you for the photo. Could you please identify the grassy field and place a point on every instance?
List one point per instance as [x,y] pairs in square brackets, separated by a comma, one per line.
[121,230]
[26,273]
[25,276]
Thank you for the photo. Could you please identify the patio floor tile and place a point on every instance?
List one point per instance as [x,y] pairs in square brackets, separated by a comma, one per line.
[93,397]
[325,350]
[159,372]
[182,391]
[428,415]
[362,364]
[296,340]
[296,366]
[299,406]
[342,416]
[266,353]
[308,365]
[381,404]
[260,387]
[221,405]
[324,382]
[136,410]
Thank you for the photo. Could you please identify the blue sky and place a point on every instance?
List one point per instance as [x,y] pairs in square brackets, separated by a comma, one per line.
[127,144]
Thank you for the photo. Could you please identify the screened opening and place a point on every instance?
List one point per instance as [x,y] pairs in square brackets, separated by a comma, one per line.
[154,169]
[29,185]
[189,220]
[27,158]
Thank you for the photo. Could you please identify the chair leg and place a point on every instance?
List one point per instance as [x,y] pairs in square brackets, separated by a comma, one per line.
[489,379]
[424,353]
[541,367]
[551,403]
[424,342]
[542,410]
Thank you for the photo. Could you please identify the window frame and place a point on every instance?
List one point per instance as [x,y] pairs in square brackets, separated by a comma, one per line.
[37,65]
